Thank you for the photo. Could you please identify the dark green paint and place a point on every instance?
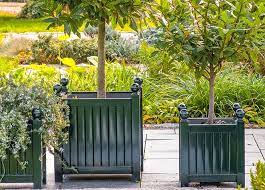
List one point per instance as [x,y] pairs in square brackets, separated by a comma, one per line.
[34,173]
[211,153]
[104,135]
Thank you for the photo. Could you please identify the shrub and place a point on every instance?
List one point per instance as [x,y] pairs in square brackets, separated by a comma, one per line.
[16,104]
[121,50]
[258,178]
[7,64]
[33,9]
[117,48]
[44,50]
[79,49]
[47,49]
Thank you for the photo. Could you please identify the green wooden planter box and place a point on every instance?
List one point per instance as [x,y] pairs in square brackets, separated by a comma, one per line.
[212,153]
[13,173]
[105,135]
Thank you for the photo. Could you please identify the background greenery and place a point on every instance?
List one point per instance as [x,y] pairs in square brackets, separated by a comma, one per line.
[166,82]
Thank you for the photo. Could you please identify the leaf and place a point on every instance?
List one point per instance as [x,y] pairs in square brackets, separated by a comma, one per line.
[68,62]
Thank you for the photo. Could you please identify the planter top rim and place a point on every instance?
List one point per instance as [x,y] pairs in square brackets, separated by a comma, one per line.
[90,99]
[94,92]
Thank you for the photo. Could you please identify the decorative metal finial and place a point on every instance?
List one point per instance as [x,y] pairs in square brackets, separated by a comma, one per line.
[57,89]
[236,106]
[240,114]
[36,113]
[184,114]
[64,82]
[182,106]
[135,88]
[139,81]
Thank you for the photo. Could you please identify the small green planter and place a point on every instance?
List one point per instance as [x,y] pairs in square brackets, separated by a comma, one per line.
[212,153]
[105,135]
[12,172]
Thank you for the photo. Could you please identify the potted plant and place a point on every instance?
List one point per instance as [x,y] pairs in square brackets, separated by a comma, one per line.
[207,35]
[113,120]
[30,121]
[212,152]
[105,135]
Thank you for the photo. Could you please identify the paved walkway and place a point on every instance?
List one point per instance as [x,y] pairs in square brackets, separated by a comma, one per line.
[161,166]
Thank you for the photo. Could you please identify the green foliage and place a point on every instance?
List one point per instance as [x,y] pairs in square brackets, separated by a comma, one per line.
[205,33]
[10,23]
[46,49]
[2,36]
[208,34]
[73,14]
[16,103]
[176,83]
[119,77]
[7,64]
[258,176]
[33,9]
[182,87]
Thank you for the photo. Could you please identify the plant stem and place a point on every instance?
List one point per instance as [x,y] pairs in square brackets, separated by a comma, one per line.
[101,60]
[211,95]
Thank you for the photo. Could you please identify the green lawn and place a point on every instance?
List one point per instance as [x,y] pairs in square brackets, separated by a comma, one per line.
[10,23]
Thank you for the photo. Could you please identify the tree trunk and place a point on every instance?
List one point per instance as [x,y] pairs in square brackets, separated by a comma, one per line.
[101,60]
[211,113]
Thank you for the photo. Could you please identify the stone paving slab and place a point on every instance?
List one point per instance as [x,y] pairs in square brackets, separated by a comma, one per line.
[161,154]
[160,177]
[252,158]
[162,145]
[161,166]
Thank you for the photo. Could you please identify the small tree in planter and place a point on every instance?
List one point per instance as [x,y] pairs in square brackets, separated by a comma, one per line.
[120,149]
[74,14]
[208,34]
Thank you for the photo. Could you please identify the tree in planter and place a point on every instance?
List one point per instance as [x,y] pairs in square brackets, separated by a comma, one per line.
[73,14]
[207,34]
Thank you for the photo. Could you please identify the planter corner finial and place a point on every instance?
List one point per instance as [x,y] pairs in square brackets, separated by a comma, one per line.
[240,114]
[138,81]
[57,89]
[36,113]
[135,88]
[182,106]
[64,82]
[184,114]
[236,106]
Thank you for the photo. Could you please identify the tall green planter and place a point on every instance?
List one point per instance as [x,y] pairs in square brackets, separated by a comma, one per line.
[105,135]
[34,173]
[212,153]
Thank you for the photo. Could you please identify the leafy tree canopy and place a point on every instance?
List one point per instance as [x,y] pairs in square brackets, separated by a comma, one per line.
[74,13]
[211,32]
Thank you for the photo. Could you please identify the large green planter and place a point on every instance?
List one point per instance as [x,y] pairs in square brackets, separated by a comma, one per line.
[12,172]
[212,153]
[105,135]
